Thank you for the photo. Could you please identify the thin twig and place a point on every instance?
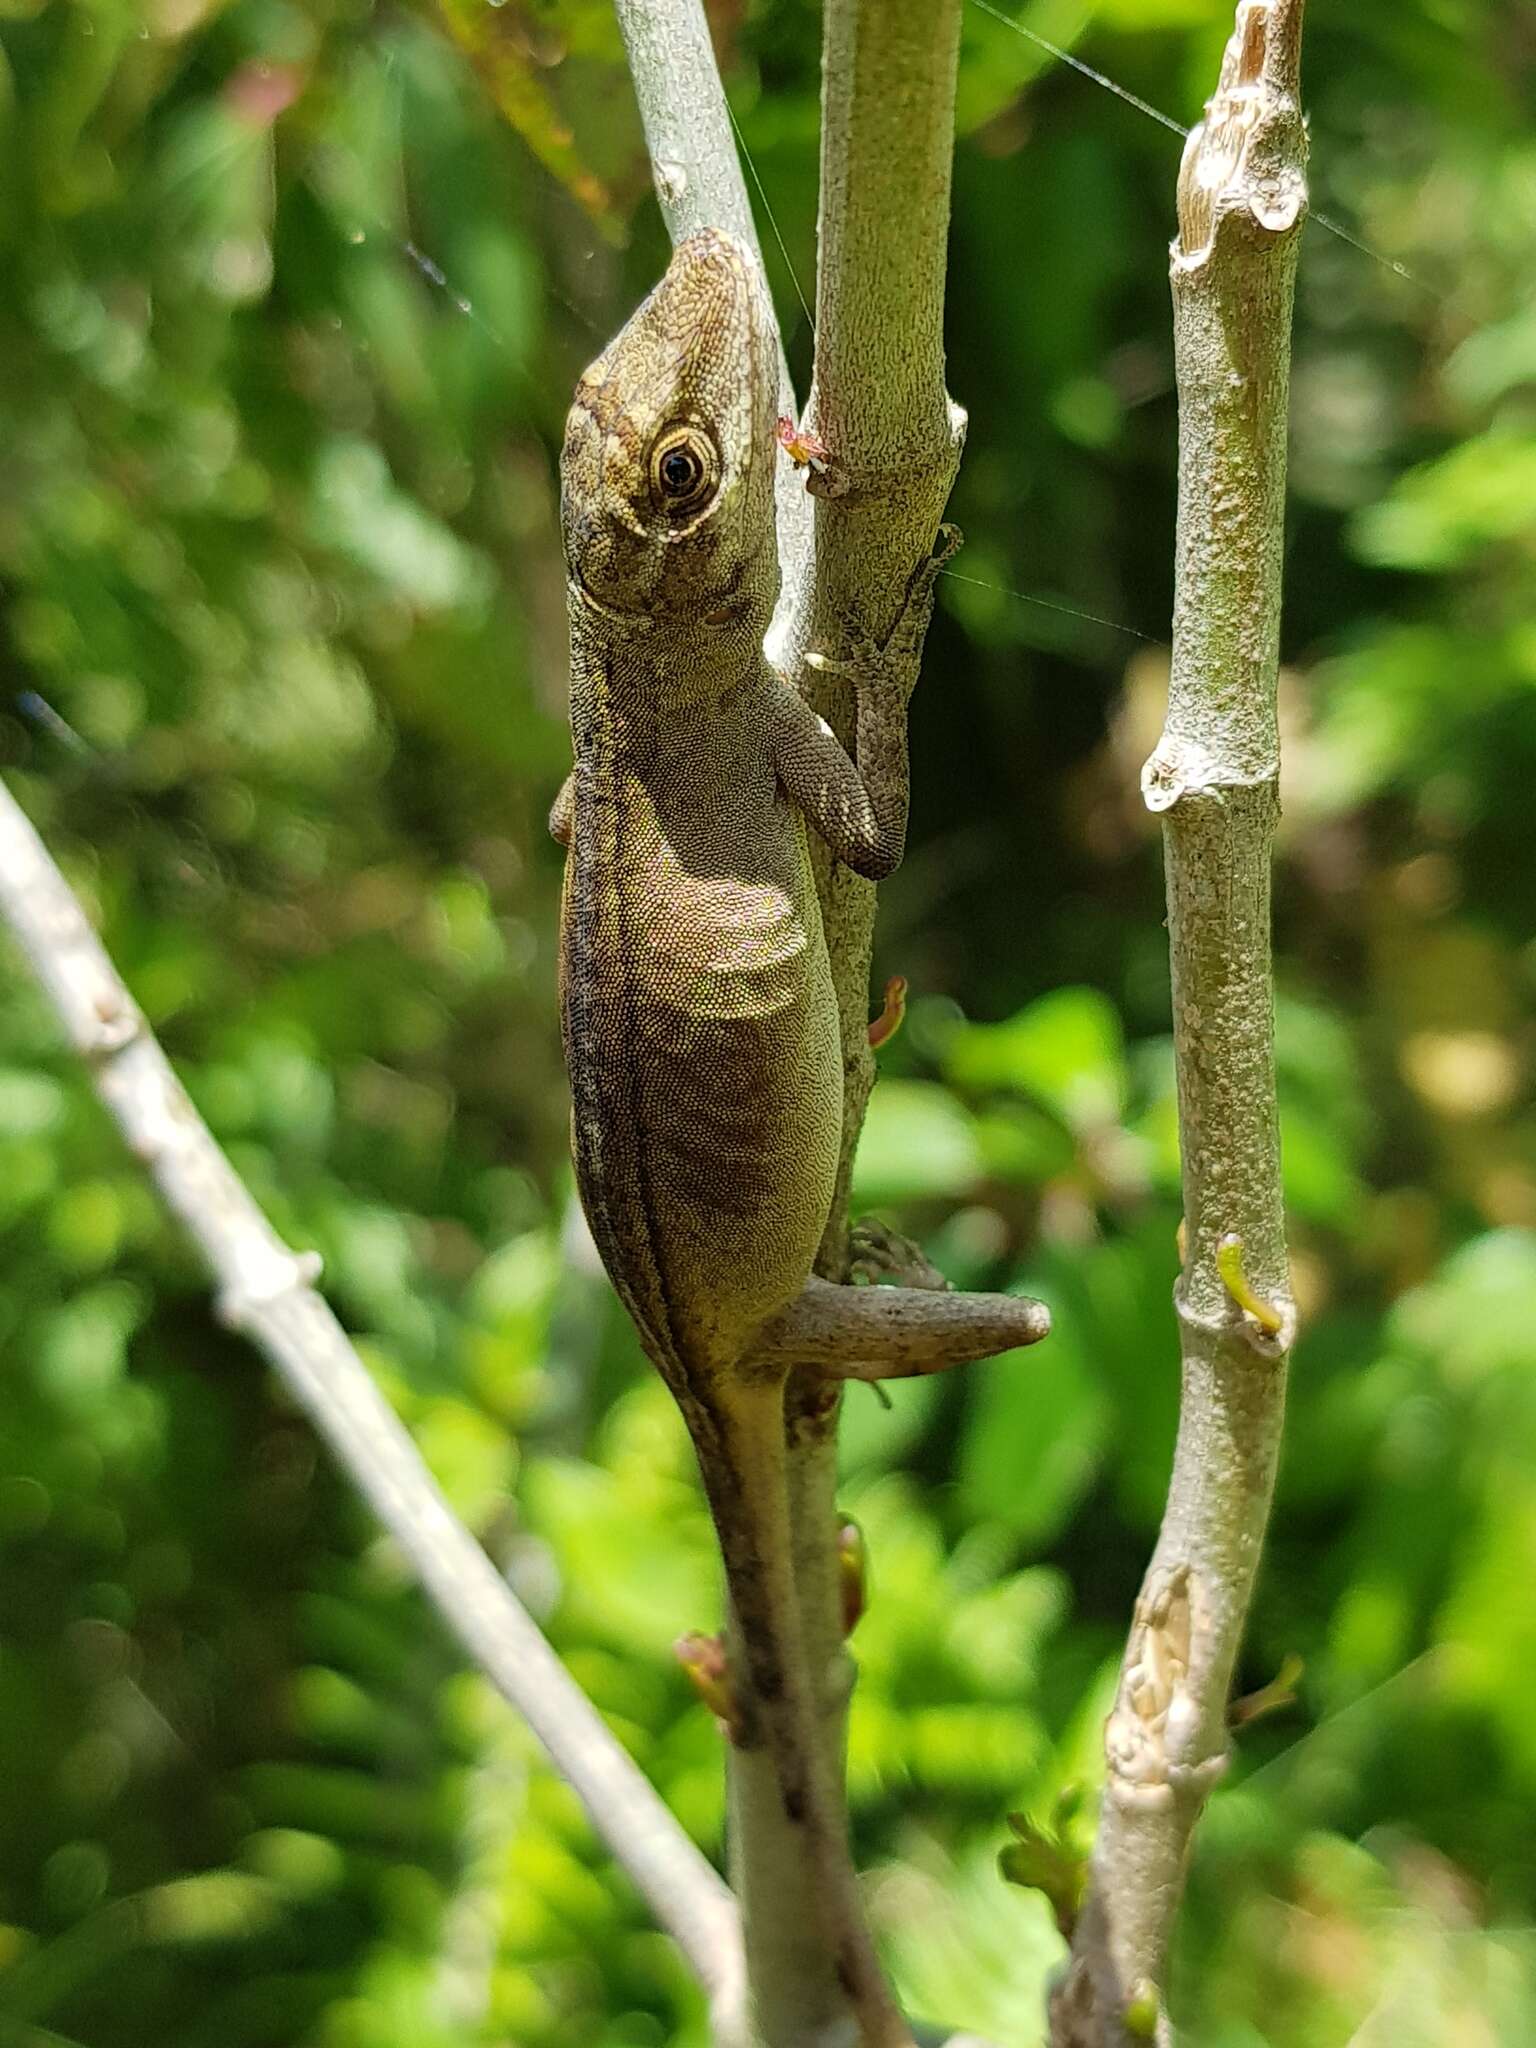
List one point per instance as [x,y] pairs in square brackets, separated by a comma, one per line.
[691,141]
[266,1291]
[1213,777]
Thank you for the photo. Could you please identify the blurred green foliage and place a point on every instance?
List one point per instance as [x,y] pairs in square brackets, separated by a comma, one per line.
[295,294]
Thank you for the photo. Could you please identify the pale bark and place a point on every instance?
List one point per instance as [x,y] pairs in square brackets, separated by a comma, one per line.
[697,174]
[1213,777]
[267,1292]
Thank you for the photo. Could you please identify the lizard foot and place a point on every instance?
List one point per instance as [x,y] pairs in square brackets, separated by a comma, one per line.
[881,1257]
[899,655]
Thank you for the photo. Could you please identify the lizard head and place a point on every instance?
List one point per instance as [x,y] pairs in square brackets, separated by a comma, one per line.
[666,477]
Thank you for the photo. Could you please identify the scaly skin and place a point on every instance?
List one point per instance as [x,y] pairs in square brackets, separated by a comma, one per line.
[697,1001]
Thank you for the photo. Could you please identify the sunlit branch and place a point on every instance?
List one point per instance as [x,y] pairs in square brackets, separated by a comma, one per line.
[1213,779]
[696,169]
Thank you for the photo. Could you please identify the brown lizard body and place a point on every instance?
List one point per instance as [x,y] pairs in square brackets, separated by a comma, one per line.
[698,1008]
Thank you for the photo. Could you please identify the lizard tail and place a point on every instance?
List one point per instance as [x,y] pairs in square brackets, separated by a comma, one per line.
[744,1477]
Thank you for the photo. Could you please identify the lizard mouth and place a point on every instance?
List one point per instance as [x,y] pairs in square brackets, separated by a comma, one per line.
[722,607]
[633,616]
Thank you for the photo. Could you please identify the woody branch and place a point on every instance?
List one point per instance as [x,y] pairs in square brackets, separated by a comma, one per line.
[1213,779]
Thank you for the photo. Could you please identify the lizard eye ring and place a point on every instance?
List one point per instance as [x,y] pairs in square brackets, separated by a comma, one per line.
[685,469]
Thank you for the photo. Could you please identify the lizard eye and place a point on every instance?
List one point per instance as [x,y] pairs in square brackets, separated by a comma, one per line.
[685,469]
[679,472]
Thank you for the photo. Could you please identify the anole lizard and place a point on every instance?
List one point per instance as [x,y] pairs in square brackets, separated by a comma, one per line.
[697,1002]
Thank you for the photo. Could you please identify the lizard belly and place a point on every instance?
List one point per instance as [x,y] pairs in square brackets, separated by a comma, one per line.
[708,1097]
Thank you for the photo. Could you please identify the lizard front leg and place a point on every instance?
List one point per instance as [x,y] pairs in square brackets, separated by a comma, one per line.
[861,810]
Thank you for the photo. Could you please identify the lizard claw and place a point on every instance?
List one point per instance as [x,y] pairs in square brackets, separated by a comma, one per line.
[950,541]
[903,648]
[878,1254]
[915,611]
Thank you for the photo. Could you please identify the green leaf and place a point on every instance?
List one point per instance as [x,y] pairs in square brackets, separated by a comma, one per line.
[1112,1315]
[83,1352]
[1442,513]
[472,1457]
[918,1143]
[1477,1316]
[1038,1861]
[1319,1182]
[357,509]
[630,1578]
[1019,1143]
[1066,1050]
[972,1950]
[30,1104]
[1034,1433]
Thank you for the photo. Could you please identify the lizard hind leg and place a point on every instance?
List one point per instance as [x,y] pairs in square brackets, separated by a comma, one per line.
[890,1333]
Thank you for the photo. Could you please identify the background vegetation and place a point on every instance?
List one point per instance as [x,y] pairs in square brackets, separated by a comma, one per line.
[295,295]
